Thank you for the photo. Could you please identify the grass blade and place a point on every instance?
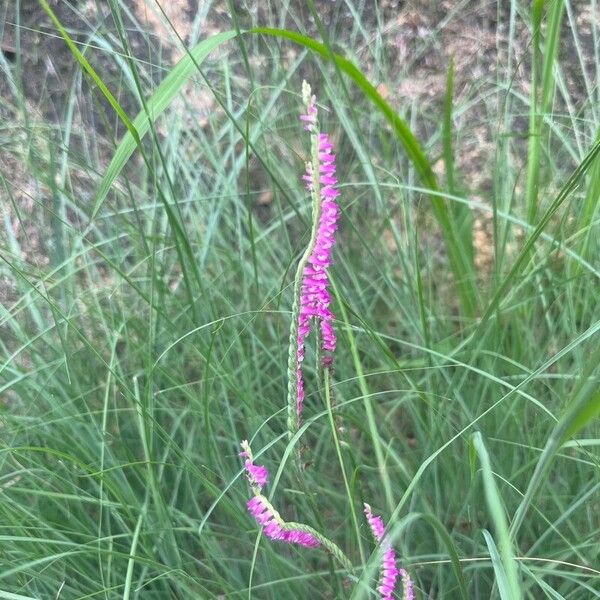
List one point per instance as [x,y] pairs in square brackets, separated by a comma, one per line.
[582,408]
[461,212]
[499,572]
[461,265]
[540,106]
[86,66]
[507,572]
[568,188]
[447,130]
[446,539]
[156,104]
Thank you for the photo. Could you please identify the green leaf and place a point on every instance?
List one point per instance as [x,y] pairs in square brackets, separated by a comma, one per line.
[448,151]
[461,213]
[509,581]
[499,572]
[439,528]
[82,60]
[462,266]
[156,104]
[540,86]
[589,208]
[11,596]
[586,409]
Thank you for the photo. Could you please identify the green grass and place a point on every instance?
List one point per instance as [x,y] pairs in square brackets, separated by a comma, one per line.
[146,289]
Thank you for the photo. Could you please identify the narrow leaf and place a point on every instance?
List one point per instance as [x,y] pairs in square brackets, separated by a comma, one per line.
[496,509]
[86,66]
[156,104]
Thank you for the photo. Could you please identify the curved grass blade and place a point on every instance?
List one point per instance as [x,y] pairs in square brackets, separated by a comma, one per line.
[462,267]
[445,538]
[507,574]
[82,60]
[156,104]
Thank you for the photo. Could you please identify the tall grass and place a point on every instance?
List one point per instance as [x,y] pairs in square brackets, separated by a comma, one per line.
[146,288]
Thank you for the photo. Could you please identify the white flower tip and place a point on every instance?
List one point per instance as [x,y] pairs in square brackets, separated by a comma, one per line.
[306,93]
[246,449]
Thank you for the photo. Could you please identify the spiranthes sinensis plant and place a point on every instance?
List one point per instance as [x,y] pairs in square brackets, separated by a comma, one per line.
[311,311]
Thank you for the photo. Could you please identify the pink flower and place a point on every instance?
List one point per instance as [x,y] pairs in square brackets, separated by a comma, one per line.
[389,569]
[274,528]
[407,584]
[260,508]
[376,523]
[314,295]
[303,538]
[257,474]
[310,118]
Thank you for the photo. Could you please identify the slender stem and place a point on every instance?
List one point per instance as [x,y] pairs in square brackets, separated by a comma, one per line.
[364,388]
[327,383]
[293,417]
[330,546]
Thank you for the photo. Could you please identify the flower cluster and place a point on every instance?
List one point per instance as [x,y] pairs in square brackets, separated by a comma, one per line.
[389,569]
[257,474]
[314,295]
[273,526]
[310,100]
[261,509]
[312,300]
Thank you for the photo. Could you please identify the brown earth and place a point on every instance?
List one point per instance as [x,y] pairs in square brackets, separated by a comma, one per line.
[418,41]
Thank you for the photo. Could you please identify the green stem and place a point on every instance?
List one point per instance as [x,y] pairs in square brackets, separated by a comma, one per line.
[330,546]
[338,449]
[293,417]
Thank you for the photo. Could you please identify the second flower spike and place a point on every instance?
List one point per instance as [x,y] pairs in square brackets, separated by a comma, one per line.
[389,569]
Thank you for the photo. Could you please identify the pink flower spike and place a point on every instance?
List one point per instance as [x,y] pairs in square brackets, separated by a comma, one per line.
[264,513]
[302,538]
[389,569]
[407,585]
[273,527]
[257,474]
[376,523]
[389,574]
[265,517]
[315,298]
[310,101]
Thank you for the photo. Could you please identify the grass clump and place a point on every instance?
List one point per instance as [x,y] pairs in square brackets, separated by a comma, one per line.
[147,286]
